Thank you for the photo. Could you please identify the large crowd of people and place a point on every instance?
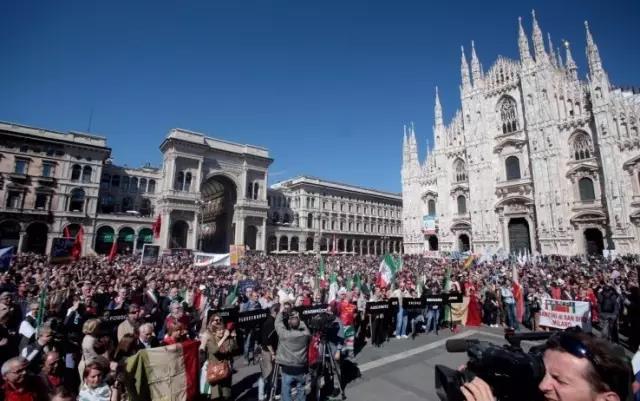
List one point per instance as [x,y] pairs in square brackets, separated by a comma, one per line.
[66,330]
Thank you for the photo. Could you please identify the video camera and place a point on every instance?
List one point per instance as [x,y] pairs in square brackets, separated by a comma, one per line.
[512,373]
[322,322]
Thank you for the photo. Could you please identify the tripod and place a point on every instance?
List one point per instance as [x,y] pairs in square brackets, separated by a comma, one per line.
[324,371]
[274,381]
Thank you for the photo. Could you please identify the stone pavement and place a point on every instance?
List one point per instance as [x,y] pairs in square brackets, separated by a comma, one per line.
[400,370]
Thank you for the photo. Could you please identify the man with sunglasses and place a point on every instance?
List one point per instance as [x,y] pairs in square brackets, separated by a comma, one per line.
[579,367]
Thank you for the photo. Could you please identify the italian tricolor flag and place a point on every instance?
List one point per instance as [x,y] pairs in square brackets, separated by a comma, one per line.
[164,373]
[388,268]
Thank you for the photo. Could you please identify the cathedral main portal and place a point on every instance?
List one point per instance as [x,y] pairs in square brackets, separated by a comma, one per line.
[519,240]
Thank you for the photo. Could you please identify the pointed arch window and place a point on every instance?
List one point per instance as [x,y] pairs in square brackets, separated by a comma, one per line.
[508,115]
[582,147]
[462,204]
[587,192]
[512,166]
[460,171]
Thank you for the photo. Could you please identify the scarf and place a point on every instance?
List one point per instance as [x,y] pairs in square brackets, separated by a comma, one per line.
[102,393]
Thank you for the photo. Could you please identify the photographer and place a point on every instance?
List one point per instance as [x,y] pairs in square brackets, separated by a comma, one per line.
[579,367]
[291,355]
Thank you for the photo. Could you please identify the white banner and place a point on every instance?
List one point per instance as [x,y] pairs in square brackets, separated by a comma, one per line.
[564,314]
[201,259]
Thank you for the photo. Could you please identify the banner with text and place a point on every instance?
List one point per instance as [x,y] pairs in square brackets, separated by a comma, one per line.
[564,314]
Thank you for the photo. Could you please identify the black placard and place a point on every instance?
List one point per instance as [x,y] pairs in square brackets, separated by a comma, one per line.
[394,303]
[112,319]
[413,303]
[252,318]
[308,312]
[376,307]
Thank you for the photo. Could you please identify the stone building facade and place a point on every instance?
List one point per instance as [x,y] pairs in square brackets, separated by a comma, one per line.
[49,181]
[308,214]
[536,160]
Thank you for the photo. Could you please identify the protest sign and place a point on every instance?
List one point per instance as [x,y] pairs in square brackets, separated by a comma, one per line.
[561,314]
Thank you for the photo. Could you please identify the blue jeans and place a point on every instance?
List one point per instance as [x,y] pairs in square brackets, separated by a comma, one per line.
[288,381]
[433,315]
[401,322]
[512,321]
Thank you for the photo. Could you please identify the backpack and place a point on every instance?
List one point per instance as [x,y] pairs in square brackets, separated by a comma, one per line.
[609,300]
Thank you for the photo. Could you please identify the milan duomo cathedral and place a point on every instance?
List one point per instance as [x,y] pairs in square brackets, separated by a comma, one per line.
[537,160]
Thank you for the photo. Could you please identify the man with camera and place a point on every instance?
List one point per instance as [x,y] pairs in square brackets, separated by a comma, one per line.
[291,355]
[578,367]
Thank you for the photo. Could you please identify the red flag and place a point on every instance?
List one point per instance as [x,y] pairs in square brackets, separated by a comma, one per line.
[66,232]
[76,251]
[156,227]
[113,251]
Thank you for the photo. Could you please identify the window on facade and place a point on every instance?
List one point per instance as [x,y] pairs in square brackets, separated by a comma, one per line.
[178,185]
[14,199]
[133,186]
[512,165]
[145,207]
[324,224]
[431,207]
[285,218]
[143,185]
[125,184]
[462,204]
[48,169]
[587,192]
[275,218]
[249,190]
[460,171]
[86,174]
[106,204]
[582,147]
[105,181]
[341,226]
[309,220]
[152,186]
[21,166]
[366,227]
[75,172]
[115,181]
[76,200]
[41,201]
[508,116]
[256,190]
[333,225]
[350,226]
[358,227]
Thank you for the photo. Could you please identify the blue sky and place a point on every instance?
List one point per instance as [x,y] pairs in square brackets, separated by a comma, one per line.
[326,86]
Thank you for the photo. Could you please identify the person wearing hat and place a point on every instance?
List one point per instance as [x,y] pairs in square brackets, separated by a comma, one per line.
[291,355]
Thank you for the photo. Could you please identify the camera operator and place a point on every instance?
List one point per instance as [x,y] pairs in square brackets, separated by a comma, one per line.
[291,355]
[579,367]
[268,346]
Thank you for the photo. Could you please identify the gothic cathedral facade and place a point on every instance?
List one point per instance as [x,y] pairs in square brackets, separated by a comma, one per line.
[536,160]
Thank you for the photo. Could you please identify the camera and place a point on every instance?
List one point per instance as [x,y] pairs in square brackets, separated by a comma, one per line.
[322,322]
[512,373]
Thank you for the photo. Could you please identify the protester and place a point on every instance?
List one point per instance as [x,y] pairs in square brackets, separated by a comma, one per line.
[268,348]
[219,349]
[94,387]
[291,355]
[19,384]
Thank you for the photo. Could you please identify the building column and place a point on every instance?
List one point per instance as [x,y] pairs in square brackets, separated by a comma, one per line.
[165,227]
[262,245]
[360,247]
[239,237]
[277,242]
[23,234]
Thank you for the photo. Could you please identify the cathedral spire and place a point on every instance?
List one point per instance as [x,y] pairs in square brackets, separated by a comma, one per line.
[559,55]
[538,41]
[552,54]
[475,66]
[572,68]
[523,44]
[593,55]
[413,146]
[437,110]
[464,70]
